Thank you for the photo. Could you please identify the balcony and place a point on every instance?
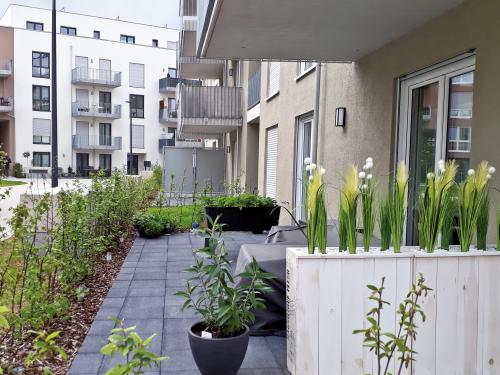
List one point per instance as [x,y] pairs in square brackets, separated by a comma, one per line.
[96,77]
[6,103]
[208,110]
[103,110]
[5,68]
[96,142]
[167,116]
[187,8]
[169,84]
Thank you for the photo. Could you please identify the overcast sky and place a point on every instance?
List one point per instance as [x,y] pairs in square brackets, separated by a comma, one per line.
[155,12]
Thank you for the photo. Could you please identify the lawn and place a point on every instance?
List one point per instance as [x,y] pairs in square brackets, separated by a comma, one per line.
[7,183]
[187,214]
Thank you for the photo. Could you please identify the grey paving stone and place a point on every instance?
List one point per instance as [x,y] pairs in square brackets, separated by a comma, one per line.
[178,325]
[175,341]
[143,308]
[101,327]
[117,292]
[176,283]
[259,355]
[124,277]
[180,360]
[85,363]
[93,344]
[105,313]
[175,311]
[171,299]
[178,275]
[147,292]
[146,328]
[147,284]
[113,302]
[150,275]
[120,284]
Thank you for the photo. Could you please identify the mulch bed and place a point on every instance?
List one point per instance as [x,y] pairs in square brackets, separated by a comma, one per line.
[75,325]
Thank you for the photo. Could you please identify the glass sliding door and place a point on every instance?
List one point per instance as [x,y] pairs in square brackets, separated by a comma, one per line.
[435,124]
[302,151]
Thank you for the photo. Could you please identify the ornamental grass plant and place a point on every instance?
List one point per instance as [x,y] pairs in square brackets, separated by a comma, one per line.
[349,207]
[385,224]
[472,193]
[315,206]
[397,210]
[482,223]
[433,204]
[367,192]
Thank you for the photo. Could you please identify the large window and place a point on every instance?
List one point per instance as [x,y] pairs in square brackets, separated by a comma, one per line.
[136,75]
[41,159]
[305,66]
[105,162]
[41,131]
[41,98]
[37,26]
[66,30]
[104,102]
[40,64]
[105,134]
[127,39]
[171,141]
[273,81]
[136,106]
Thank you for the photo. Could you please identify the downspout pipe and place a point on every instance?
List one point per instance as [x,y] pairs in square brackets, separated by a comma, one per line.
[315,124]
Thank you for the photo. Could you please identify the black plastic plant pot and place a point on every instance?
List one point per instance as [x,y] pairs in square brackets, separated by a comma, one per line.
[218,356]
[247,219]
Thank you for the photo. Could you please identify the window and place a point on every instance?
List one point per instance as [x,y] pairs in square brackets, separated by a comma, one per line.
[41,131]
[41,159]
[97,34]
[273,82]
[172,107]
[37,26]
[105,162]
[138,136]
[155,43]
[127,39]
[40,64]
[104,102]
[172,73]
[41,98]
[136,106]
[459,139]
[271,161]
[136,75]
[104,134]
[304,66]
[171,141]
[66,30]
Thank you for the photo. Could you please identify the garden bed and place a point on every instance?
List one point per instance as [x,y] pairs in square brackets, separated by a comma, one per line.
[76,323]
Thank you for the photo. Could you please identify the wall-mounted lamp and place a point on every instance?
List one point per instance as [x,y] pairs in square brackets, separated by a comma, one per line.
[340,113]
[228,149]
[230,72]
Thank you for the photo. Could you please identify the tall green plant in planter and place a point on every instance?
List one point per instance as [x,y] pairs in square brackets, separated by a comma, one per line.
[385,224]
[315,207]
[434,203]
[398,205]
[367,189]
[471,195]
[482,223]
[349,205]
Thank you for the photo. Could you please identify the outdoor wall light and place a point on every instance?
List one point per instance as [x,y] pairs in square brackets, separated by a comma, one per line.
[340,113]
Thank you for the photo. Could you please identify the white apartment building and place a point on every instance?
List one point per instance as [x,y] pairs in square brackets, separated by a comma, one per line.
[109,72]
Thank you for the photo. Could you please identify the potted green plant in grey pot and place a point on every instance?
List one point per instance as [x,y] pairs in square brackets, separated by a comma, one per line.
[225,303]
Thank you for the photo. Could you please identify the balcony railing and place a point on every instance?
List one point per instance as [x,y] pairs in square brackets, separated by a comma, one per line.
[209,109]
[5,68]
[188,8]
[6,103]
[98,77]
[103,110]
[167,115]
[168,84]
[254,89]
[96,142]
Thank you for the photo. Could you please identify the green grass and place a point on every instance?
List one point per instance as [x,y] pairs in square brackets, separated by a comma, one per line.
[6,183]
[187,214]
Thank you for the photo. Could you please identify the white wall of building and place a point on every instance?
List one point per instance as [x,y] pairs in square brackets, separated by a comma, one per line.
[156,62]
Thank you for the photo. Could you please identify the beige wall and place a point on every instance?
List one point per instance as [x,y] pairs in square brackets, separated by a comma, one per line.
[7,89]
[368,89]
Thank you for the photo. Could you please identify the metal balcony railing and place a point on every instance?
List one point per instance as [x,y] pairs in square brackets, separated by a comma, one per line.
[168,84]
[103,110]
[98,77]
[187,8]
[6,103]
[5,68]
[167,115]
[96,142]
[254,89]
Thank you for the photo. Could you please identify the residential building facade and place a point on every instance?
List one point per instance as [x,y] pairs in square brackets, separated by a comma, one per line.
[108,77]
[7,125]
[419,86]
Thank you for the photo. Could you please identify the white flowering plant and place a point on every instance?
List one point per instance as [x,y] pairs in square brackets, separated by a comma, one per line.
[397,212]
[315,206]
[367,191]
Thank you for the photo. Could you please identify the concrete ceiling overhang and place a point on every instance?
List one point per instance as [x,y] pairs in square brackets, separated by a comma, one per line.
[321,30]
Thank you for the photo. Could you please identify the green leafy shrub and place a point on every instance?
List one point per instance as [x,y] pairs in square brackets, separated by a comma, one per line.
[241,200]
[45,347]
[18,171]
[148,224]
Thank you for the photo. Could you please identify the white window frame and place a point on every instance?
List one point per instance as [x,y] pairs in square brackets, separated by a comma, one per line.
[303,68]
[299,164]
[459,141]
[276,91]
[271,194]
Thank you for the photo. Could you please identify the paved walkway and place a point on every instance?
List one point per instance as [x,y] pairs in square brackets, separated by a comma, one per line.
[143,294]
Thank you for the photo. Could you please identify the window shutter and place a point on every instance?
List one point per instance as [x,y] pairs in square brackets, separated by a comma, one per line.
[41,127]
[81,62]
[136,75]
[274,78]
[271,161]
[138,136]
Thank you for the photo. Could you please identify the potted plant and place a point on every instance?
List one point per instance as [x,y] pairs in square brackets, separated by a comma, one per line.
[226,304]
[243,212]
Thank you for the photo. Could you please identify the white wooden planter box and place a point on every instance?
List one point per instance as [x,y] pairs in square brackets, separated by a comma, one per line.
[327,299]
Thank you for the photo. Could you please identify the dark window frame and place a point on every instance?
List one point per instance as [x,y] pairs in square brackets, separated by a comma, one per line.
[154,43]
[34,26]
[128,39]
[40,67]
[97,33]
[136,111]
[68,29]
[40,100]
[40,154]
